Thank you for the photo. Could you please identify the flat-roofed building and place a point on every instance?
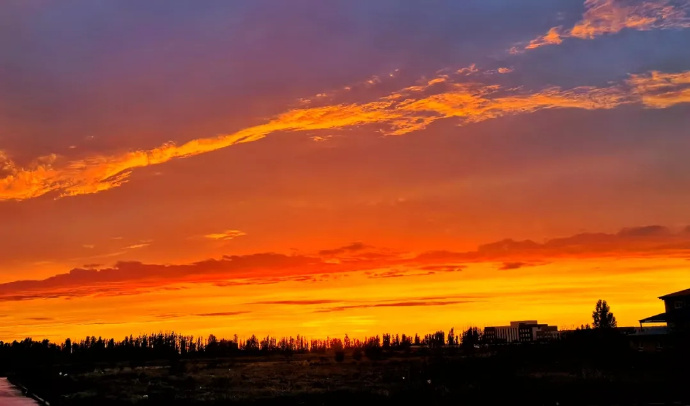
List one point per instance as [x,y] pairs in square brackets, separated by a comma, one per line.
[520,331]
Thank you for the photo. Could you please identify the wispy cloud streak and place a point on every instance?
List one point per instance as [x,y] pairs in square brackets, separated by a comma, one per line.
[225,235]
[410,109]
[603,17]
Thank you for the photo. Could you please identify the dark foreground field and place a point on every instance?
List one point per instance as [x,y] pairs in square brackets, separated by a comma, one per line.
[530,375]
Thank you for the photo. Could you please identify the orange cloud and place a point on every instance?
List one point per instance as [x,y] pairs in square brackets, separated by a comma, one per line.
[411,109]
[305,302]
[550,38]
[221,314]
[130,277]
[270,268]
[512,265]
[319,138]
[136,246]
[354,247]
[660,90]
[634,242]
[412,303]
[225,235]
[611,16]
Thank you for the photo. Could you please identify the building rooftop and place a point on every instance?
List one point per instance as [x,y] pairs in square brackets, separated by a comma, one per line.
[659,318]
[685,292]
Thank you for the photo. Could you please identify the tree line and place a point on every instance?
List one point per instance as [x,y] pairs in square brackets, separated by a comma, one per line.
[166,345]
[169,345]
[174,343]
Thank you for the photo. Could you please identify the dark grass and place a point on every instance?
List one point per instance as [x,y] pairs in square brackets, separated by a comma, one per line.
[527,374]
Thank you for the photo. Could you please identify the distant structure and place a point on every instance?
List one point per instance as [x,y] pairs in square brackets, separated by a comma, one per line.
[520,332]
[677,314]
[655,331]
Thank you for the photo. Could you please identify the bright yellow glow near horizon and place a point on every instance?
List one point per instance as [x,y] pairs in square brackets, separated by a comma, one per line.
[359,306]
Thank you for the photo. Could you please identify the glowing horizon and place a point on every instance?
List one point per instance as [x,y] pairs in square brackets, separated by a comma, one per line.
[216,170]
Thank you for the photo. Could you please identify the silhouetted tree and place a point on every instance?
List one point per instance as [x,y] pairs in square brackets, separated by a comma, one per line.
[405,342]
[336,344]
[265,344]
[386,341]
[602,316]
[471,337]
[435,340]
[372,348]
[252,344]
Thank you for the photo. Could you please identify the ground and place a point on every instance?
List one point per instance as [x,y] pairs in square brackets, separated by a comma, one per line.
[536,377]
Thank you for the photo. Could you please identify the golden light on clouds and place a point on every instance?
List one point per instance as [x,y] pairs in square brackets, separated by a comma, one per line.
[603,17]
[553,37]
[611,16]
[410,109]
[420,302]
[137,246]
[415,176]
[225,235]
[661,90]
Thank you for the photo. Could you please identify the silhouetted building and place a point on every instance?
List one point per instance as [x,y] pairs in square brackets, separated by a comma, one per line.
[649,339]
[661,330]
[677,314]
[520,331]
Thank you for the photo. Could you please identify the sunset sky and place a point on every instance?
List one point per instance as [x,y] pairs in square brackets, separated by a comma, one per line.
[330,167]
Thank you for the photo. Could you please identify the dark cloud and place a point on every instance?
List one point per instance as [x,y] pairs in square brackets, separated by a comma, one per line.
[447,297]
[221,314]
[412,303]
[512,265]
[106,281]
[439,300]
[443,268]
[295,302]
[644,240]
[398,273]
[387,274]
[165,316]
[132,277]
[441,256]
[354,247]
[644,231]
[507,246]
[101,323]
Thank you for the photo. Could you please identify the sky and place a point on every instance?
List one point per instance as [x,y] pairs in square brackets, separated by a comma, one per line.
[342,167]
